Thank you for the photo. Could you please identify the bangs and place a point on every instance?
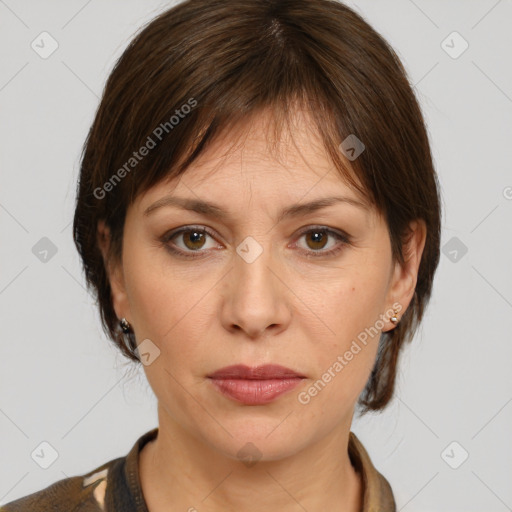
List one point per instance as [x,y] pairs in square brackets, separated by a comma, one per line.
[230,128]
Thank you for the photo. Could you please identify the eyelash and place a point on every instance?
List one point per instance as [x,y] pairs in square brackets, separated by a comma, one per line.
[343,238]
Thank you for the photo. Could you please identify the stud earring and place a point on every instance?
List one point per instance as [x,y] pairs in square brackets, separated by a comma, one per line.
[394,318]
[125,325]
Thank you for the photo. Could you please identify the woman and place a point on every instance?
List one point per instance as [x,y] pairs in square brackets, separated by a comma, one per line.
[259,217]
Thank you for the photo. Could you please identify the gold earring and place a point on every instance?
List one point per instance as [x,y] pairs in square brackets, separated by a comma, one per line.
[394,318]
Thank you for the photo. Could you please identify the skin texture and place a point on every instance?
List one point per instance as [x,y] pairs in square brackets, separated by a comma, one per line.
[284,308]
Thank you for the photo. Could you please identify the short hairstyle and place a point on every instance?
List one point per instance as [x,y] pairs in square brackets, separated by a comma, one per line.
[204,65]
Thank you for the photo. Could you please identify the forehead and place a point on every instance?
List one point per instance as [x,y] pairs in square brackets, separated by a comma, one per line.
[259,157]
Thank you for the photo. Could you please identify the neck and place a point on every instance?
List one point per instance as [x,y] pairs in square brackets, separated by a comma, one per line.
[180,472]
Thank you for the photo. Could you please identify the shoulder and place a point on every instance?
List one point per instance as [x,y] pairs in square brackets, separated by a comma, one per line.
[84,493]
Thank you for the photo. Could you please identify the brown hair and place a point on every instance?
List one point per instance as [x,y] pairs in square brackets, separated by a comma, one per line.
[203,65]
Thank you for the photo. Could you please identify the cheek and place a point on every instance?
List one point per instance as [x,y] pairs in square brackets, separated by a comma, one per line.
[172,311]
[352,303]
[169,308]
[153,304]
[351,310]
[155,291]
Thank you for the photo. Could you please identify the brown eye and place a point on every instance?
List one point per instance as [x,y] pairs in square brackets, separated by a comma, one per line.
[318,239]
[193,239]
[192,242]
[189,242]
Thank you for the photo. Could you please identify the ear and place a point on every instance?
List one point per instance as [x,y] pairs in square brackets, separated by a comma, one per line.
[114,273]
[404,278]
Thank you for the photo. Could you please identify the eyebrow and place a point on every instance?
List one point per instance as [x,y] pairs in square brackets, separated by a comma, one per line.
[215,211]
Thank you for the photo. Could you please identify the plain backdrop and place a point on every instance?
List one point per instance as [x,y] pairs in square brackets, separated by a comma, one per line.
[444,443]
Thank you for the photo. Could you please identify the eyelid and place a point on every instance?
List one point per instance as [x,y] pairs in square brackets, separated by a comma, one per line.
[321,227]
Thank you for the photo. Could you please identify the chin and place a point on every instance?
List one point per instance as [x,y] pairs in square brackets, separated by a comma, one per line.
[263,439]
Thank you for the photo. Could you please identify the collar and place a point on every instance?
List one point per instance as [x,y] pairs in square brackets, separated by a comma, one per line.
[377,493]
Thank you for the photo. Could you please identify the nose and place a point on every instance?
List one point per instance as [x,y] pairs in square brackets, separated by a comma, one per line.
[255,298]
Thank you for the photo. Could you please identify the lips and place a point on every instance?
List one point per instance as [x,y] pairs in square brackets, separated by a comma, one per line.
[265,372]
[255,386]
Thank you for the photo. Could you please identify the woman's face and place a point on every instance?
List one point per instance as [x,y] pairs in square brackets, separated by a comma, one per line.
[259,287]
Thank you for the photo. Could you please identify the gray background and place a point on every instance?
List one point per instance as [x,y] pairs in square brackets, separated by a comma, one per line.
[62,382]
